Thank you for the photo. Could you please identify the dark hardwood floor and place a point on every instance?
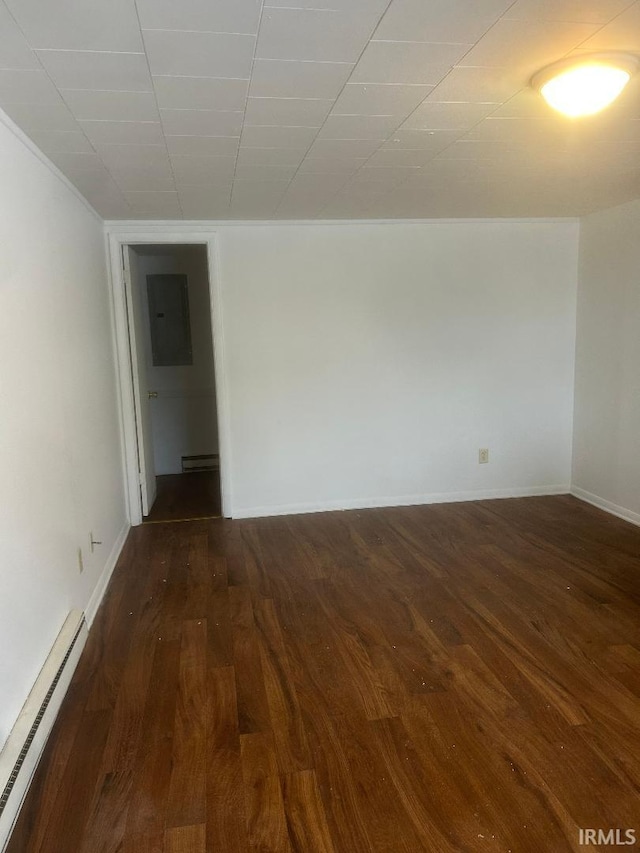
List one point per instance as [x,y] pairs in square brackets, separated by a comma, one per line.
[182,497]
[461,677]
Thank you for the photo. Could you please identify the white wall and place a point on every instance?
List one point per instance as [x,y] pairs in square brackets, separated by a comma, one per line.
[59,445]
[183,416]
[606,463]
[367,364]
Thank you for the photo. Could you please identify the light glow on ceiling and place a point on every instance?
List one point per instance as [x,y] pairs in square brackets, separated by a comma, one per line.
[582,86]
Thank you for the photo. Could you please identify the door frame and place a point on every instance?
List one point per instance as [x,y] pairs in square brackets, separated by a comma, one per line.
[119,236]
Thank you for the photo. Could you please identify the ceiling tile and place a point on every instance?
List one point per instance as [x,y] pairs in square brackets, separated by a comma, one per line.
[520,129]
[358,127]
[74,69]
[155,204]
[55,141]
[483,149]
[420,121]
[582,11]
[318,183]
[42,116]
[315,193]
[375,7]
[461,21]
[525,46]
[205,170]
[299,199]
[201,122]
[400,157]
[210,206]
[332,165]
[297,207]
[109,206]
[388,175]
[111,106]
[221,16]
[406,62]
[124,132]
[623,33]
[294,112]
[200,93]
[372,99]
[77,162]
[313,34]
[271,156]
[287,79]
[199,54]
[73,25]
[444,170]
[218,193]
[96,181]
[120,156]
[96,184]
[346,208]
[426,140]
[478,85]
[352,203]
[446,116]
[277,137]
[367,182]
[27,86]
[264,173]
[14,49]
[148,177]
[526,104]
[339,149]
[261,194]
[190,146]
[210,183]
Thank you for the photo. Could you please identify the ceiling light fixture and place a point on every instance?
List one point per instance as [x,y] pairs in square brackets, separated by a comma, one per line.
[583,85]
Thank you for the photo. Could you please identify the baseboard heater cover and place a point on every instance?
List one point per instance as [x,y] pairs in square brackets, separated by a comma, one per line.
[202,462]
[21,753]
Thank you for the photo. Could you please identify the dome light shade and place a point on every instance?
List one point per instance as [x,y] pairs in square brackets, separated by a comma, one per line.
[583,85]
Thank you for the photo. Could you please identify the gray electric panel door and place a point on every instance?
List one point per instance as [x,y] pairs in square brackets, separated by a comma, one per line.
[169,320]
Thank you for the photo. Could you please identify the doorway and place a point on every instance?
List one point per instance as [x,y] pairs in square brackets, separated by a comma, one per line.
[168,305]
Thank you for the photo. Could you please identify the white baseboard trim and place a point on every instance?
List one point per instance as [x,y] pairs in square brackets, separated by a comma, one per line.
[22,751]
[103,582]
[403,500]
[607,506]
[14,753]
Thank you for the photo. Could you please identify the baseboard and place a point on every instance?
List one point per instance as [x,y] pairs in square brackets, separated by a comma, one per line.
[404,500]
[22,751]
[607,506]
[103,582]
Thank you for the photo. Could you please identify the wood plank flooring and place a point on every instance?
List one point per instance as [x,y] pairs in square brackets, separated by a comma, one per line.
[182,497]
[461,677]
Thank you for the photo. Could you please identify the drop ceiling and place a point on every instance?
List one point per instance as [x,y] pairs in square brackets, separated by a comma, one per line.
[303,109]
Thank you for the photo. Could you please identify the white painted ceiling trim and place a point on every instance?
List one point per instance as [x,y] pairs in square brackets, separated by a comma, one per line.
[200,226]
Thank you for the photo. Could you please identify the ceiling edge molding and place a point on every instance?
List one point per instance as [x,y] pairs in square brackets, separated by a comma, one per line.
[204,225]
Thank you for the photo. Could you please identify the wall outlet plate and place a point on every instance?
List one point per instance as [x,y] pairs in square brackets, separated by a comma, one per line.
[483,455]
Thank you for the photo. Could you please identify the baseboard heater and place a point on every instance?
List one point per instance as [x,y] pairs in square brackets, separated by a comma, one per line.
[21,753]
[203,462]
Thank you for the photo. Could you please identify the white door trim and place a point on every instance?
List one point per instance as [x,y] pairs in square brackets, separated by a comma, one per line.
[117,237]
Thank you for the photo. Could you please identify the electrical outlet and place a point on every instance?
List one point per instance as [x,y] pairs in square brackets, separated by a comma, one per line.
[483,455]
[80,560]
